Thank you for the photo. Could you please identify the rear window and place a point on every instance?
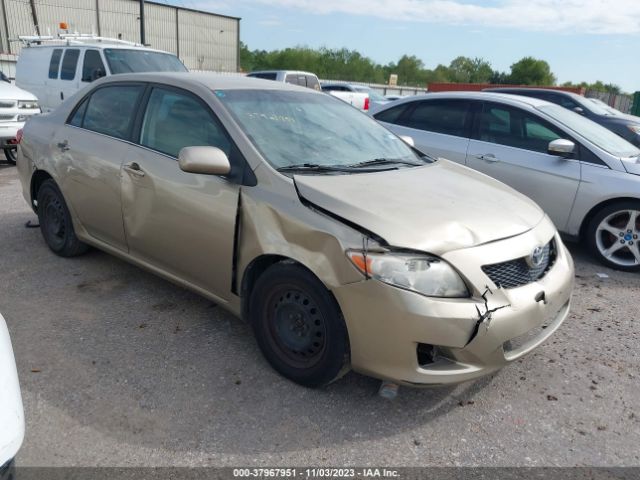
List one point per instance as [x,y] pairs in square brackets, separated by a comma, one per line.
[122,60]
[54,64]
[69,64]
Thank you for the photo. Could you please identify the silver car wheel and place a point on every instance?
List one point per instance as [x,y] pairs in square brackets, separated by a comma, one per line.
[617,238]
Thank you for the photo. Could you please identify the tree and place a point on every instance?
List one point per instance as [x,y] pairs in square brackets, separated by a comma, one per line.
[531,71]
[470,70]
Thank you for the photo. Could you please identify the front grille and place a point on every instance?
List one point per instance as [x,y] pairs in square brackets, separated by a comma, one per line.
[519,272]
[6,116]
[7,104]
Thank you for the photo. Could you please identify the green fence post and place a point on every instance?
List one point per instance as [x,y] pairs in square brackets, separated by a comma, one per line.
[635,108]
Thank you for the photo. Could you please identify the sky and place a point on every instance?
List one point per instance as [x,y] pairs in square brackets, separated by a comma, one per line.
[581,39]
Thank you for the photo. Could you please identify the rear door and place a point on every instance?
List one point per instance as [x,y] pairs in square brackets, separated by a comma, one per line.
[439,127]
[69,80]
[181,223]
[510,145]
[90,148]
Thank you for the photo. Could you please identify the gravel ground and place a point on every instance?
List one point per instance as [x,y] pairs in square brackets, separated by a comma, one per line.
[121,368]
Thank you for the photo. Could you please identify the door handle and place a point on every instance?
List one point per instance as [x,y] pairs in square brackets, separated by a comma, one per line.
[64,145]
[134,169]
[488,157]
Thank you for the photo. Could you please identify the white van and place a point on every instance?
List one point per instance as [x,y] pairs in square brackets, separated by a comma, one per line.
[54,68]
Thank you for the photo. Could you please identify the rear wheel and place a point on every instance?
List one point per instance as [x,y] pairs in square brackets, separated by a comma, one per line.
[614,233]
[11,155]
[298,326]
[55,222]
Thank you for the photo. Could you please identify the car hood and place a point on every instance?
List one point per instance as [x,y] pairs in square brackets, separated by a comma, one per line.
[11,411]
[11,92]
[632,165]
[436,208]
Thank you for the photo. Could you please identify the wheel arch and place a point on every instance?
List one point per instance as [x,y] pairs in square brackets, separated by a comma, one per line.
[37,179]
[595,209]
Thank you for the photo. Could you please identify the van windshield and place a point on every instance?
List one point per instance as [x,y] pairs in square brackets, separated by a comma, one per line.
[122,60]
[291,128]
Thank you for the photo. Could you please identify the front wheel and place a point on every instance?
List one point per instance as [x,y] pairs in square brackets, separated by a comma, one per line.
[11,155]
[298,326]
[614,233]
[55,222]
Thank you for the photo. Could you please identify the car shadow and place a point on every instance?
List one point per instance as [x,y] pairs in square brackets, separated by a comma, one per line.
[108,346]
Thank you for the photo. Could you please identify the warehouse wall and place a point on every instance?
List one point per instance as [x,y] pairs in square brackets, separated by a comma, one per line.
[203,41]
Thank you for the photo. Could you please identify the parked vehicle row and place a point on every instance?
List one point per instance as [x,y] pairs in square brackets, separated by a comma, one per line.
[585,177]
[342,246]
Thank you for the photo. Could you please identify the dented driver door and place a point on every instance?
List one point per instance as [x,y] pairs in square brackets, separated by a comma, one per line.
[180,223]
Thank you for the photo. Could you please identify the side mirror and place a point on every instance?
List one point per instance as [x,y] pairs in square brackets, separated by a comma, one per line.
[579,110]
[206,160]
[561,147]
[408,140]
[96,74]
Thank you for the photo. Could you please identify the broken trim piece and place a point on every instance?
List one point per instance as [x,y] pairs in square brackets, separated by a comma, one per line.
[484,317]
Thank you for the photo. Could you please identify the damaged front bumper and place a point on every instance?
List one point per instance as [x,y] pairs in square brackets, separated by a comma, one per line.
[411,339]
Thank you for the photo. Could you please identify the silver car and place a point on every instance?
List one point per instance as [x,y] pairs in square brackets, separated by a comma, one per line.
[584,176]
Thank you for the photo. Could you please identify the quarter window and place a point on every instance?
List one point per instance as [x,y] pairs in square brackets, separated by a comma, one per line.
[393,114]
[54,64]
[439,116]
[69,64]
[516,128]
[92,68]
[111,110]
[175,120]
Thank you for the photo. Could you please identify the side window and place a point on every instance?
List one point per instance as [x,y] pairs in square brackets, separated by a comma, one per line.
[92,67]
[54,64]
[312,82]
[69,64]
[516,128]
[293,79]
[393,114]
[111,110]
[439,116]
[174,120]
[78,116]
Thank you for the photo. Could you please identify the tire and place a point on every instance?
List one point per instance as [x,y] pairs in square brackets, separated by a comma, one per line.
[298,326]
[613,237]
[55,222]
[11,155]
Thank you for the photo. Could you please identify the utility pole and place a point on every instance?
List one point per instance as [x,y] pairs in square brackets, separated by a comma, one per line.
[142,35]
[34,14]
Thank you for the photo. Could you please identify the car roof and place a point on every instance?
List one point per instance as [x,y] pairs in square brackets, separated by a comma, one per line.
[516,100]
[299,72]
[211,81]
[527,89]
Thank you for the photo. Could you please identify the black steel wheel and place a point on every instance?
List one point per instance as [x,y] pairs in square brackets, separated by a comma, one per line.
[298,325]
[11,155]
[55,222]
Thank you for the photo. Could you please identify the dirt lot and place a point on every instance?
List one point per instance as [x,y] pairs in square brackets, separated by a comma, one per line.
[119,367]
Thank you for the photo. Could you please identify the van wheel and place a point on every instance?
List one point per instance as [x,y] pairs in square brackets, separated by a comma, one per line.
[613,236]
[11,155]
[298,326]
[55,222]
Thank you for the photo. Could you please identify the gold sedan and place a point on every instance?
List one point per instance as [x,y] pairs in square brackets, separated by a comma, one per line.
[339,243]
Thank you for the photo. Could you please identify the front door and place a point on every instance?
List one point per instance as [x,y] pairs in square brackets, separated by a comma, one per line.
[91,148]
[511,145]
[181,223]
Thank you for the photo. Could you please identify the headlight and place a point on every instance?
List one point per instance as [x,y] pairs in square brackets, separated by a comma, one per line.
[28,104]
[424,274]
[634,128]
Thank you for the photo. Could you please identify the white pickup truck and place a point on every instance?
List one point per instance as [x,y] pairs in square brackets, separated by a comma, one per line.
[358,100]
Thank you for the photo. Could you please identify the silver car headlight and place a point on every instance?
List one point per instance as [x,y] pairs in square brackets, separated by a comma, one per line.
[28,104]
[420,273]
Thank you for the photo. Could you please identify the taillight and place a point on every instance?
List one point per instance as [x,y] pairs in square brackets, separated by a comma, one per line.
[19,136]
[366,103]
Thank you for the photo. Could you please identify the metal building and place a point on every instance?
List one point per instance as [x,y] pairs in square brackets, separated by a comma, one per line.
[202,40]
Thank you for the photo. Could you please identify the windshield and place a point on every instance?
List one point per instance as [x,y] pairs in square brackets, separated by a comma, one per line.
[591,106]
[599,136]
[121,60]
[609,109]
[294,128]
[373,95]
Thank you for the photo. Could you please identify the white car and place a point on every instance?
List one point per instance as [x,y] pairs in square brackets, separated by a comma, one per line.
[11,412]
[16,105]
